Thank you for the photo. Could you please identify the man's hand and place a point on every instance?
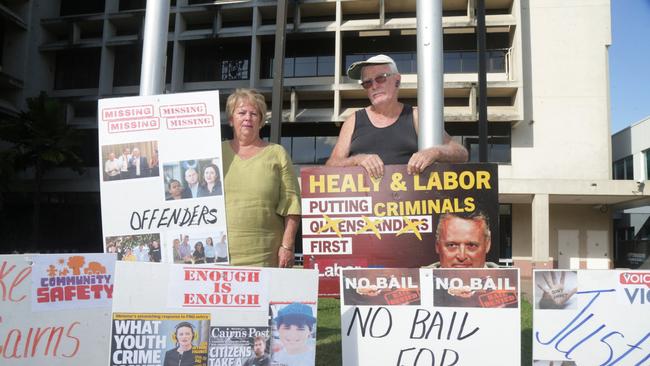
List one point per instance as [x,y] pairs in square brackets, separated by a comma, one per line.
[421,160]
[372,163]
[555,295]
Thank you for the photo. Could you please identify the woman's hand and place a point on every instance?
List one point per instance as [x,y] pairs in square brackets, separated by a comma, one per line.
[285,257]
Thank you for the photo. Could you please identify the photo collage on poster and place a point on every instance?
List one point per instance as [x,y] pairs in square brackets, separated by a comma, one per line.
[162,155]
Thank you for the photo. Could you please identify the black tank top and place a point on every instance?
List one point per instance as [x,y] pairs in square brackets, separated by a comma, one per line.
[394,144]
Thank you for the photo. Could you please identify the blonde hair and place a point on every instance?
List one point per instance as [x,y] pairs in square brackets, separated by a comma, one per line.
[246,95]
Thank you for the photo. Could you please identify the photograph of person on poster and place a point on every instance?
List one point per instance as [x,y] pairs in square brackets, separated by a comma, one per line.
[260,356]
[463,240]
[294,325]
[181,355]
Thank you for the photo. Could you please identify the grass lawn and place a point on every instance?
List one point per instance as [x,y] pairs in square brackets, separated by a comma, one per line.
[328,345]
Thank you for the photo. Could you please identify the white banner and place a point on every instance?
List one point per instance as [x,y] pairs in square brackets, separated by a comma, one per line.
[410,317]
[161,178]
[591,317]
[75,329]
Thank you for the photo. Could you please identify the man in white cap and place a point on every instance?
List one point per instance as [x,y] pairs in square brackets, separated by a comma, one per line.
[386,131]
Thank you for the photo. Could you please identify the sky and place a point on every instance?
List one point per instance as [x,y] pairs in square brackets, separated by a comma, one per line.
[629,62]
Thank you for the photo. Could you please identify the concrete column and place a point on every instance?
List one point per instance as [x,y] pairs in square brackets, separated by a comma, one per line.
[540,226]
[294,105]
[178,52]
[107,62]
[338,62]
[254,65]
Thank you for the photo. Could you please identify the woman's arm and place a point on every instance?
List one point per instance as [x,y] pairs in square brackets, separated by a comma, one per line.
[287,248]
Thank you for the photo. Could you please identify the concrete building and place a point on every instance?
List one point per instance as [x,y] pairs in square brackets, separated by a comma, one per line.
[631,161]
[548,90]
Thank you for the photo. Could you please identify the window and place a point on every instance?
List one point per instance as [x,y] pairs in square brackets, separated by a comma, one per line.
[623,169]
[217,60]
[77,68]
[647,164]
[75,7]
[303,57]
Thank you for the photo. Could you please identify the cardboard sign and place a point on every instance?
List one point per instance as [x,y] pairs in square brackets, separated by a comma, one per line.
[161,178]
[352,221]
[591,317]
[410,317]
[72,327]
[254,305]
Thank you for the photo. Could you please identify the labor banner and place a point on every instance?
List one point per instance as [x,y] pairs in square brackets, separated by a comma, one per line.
[161,178]
[207,315]
[55,309]
[591,317]
[411,317]
[350,220]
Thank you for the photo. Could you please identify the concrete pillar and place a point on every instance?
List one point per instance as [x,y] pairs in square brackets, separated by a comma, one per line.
[294,105]
[338,62]
[107,62]
[540,229]
[254,66]
[178,52]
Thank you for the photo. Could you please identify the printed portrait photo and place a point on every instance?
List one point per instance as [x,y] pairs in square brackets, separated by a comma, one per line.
[293,340]
[130,161]
[192,179]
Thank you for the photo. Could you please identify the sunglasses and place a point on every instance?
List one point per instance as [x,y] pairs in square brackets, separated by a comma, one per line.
[379,79]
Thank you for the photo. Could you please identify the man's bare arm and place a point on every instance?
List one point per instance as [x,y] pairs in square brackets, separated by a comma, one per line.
[449,152]
[372,163]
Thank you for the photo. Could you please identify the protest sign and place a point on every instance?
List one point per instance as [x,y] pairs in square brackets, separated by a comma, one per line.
[442,317]
[244,306]
[56,312]
[352,221]
[161,178]
[591,317]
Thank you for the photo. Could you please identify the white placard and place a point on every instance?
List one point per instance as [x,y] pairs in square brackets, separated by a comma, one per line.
[591,317]
[58,337]
[160,194]
[142,298]
[411,317]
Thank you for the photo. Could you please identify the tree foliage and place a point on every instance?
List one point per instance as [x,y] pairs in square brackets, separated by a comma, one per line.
[40,138]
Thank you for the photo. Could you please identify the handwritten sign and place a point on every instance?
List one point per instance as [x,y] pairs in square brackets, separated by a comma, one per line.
[63,335]
[596,317]
[352,221]
[161,178]
[442,317]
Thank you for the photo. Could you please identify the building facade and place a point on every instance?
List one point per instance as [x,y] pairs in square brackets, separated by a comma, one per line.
[631,161]
[548,90]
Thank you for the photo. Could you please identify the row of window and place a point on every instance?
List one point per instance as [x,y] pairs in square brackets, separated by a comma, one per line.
[624,168]
[79,69]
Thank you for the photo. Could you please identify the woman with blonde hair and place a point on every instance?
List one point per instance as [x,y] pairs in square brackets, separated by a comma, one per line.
[261,190]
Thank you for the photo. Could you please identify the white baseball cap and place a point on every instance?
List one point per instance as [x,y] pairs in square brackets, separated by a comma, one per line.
[354,71]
